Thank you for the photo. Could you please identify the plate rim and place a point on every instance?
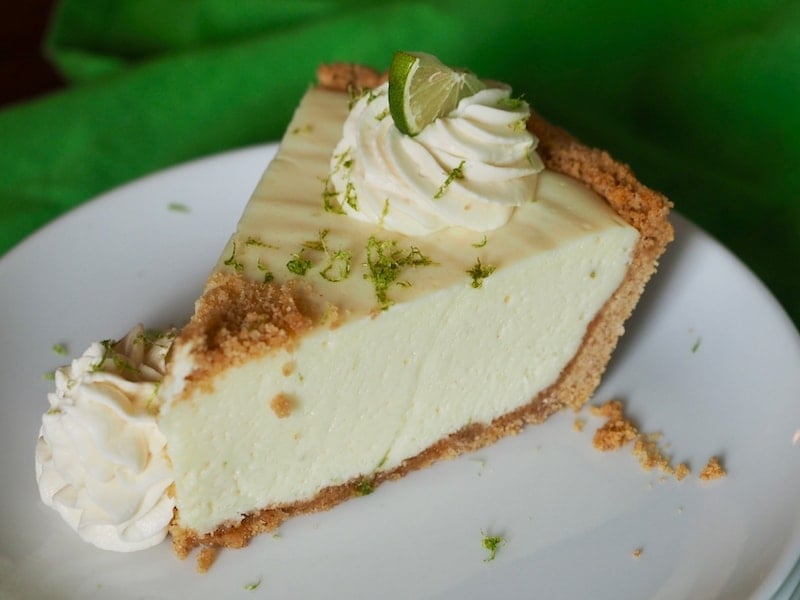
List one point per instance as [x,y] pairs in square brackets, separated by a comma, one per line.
[792,578]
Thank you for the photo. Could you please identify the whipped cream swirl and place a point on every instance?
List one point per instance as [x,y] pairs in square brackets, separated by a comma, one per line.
[467,169]
[101,460]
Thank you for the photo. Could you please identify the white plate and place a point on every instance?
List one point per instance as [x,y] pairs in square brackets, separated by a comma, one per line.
[572,517]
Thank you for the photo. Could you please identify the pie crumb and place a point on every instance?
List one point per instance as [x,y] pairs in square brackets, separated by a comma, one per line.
[637,553]
[281,405]
[578,424]
[682,471]
[712,470]
[616,431]
[648,448]
[288,368]
[206,558]
[650,456]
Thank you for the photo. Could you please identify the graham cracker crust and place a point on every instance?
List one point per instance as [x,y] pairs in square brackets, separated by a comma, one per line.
[641,207]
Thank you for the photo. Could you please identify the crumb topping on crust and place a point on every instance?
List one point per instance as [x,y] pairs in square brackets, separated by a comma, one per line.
[237,320]
[341,77]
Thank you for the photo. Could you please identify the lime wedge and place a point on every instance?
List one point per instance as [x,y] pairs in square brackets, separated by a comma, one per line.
[422,89]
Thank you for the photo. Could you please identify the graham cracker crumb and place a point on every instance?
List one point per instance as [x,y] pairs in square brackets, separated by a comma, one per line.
[282,405]
[617,431]
[611,409]
[206,558]
[637,553]
[712,470]
[237,320]
[647,451]
[647,447]
[342,76]
[578,424]
[288,368]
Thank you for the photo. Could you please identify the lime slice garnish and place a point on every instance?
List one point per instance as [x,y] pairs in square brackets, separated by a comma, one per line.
[422,89]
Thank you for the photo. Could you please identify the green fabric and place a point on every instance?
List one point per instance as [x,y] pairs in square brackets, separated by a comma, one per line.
[701,98]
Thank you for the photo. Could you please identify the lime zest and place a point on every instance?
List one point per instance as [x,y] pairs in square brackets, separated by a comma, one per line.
[519,125]
[350,196]
[231,261]
[338,267]
[510,103]
[298,265]
[385,263]
[268,275]
[254,241]
[365,487]
[480,244]
[178,207]
[456,173]
[492,543]
[480,272]
[253,585]
[330,197]
[318,245]
[384,212]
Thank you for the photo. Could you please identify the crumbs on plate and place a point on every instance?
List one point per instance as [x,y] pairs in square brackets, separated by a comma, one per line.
[712,470]
[206,558]
[618,431]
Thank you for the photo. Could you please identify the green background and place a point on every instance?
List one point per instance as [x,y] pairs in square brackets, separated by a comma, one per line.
[701,98]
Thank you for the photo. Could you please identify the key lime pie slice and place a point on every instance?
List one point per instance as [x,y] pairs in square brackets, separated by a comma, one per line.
[424,268]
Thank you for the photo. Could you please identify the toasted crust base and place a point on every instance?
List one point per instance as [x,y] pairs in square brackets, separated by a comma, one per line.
[641,207]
